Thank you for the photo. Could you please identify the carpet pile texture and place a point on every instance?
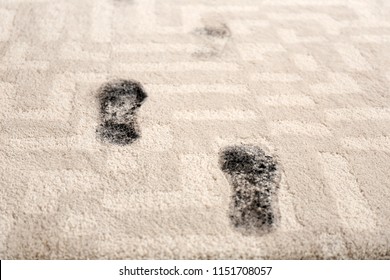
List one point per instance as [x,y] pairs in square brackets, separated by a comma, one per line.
[215,98]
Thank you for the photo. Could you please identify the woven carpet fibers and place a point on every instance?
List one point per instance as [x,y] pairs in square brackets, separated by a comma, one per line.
[306,81]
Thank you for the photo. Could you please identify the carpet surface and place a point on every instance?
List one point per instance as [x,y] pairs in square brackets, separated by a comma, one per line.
[285,99]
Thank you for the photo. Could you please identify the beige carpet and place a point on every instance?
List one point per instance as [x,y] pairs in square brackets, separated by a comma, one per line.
[307,81]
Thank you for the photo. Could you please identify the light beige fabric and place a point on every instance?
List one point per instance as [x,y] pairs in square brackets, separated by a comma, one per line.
[307,80]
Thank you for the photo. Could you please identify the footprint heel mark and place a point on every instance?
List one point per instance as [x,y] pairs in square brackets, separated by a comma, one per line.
[119,102]
[254,176]
[124,2]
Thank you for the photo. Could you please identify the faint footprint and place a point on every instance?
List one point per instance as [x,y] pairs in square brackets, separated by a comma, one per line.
[119,101]
[255,177]
[216,31]
[215,37]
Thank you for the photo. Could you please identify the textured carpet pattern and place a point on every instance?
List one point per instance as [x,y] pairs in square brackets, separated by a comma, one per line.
[307,80]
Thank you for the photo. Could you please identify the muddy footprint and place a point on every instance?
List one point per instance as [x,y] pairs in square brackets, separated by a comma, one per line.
[119,101]
[215,37]
[254,176]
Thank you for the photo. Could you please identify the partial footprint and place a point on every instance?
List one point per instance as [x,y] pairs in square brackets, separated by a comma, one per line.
[215,36]
[119,101]
[254,176]
[215,31]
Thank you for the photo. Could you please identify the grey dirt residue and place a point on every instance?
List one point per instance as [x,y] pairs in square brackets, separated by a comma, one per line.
[216,31]
[215,38]
[119,101]
[254,176]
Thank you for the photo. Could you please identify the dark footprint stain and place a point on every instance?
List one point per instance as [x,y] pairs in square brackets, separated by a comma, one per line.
[119,101]
[254,176]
